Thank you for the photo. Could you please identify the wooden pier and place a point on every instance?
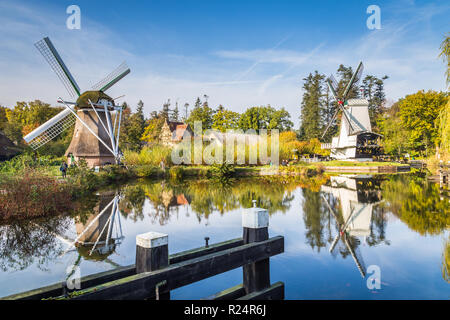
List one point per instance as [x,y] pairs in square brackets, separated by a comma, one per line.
[156,273]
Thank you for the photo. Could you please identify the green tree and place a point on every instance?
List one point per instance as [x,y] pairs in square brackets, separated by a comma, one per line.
[395,135]
[166,110]
[224,119]
[175,114]
[445,55]
[344,75]
[132,128]
[3,118]
[265,117]
[419,115]
[373,90]
[312,101]
[444,127]
[280,119]
[252,118]
[203,113]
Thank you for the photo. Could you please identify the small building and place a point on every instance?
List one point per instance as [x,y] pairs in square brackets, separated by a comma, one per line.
[7,148]
[173,132]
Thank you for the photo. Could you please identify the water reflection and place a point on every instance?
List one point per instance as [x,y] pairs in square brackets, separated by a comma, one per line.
[357,195]
[31,242]
[340,215]
[100,233]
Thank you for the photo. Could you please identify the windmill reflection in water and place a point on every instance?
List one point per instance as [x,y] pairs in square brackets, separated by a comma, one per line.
[99,236]
[357,196]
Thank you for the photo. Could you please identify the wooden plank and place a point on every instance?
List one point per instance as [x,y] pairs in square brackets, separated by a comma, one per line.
[274,292]
[92,280]
[141,286]
[56,289]
[198,252]
[229,294]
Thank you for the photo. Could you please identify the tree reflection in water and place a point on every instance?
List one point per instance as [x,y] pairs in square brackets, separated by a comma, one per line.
[207,196]
[359,210]
[28,242]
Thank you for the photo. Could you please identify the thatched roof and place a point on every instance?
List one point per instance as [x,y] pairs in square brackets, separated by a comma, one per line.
[7,148]
[94,96]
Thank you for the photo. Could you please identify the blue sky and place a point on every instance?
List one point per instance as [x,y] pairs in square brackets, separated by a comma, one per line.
[239,53]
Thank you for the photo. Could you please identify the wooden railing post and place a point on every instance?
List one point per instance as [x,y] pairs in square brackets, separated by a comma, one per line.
[255,223]
[152,253]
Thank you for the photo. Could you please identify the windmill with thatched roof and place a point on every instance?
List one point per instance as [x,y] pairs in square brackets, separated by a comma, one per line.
[96,117]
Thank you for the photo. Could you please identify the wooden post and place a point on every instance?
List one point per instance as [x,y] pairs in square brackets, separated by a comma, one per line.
[255,223]
[152,253]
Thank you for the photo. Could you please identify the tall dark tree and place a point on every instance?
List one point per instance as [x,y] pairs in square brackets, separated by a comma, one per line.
[312,102]
[373,90]
[175,113]
[132,128]
[344,76]
[203,113]
[166,110]
[327,111]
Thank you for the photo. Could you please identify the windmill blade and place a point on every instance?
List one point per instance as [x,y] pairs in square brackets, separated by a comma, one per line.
[354,79]
[347,118]
[333,82]
[357,257]
[359,72]
[335,242]
[50,129]
[112,78]
[332,87]
[330,123]
[50,54]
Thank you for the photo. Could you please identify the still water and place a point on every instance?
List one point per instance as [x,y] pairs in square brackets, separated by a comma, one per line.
[337,231]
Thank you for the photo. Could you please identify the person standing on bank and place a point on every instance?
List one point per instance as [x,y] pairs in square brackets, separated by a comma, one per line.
[63,169]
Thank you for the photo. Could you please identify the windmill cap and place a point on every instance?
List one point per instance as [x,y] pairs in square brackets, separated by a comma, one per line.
[358,102]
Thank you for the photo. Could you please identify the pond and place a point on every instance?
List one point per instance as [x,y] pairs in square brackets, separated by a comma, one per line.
[337,230]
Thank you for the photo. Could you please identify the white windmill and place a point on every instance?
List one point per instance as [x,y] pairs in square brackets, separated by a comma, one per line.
[96,137]
[356,141]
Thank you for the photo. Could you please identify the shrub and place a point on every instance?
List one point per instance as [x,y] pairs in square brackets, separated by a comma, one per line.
[145,171]
[31,195]
[149,156]
[176,172]
[223,170]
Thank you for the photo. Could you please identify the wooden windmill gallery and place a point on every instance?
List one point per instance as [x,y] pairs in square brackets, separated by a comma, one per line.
[96,117]
[355,141]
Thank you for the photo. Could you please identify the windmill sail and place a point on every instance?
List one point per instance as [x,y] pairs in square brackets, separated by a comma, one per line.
[355,79]
[50,54]
[112,78]
[50,129]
